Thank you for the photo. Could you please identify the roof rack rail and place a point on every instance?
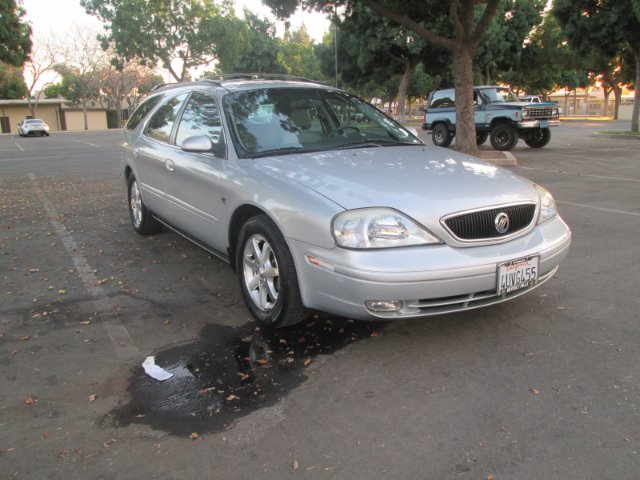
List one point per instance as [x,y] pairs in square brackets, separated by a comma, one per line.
[255,76]
[160,85]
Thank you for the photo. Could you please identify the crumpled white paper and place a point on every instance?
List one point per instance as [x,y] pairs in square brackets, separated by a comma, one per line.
[155,371]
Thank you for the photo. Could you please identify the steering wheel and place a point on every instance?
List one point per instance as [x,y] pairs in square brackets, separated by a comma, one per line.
[342,129]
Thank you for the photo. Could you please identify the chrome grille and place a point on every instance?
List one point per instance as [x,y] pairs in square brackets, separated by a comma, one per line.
[480,225]
[540,112]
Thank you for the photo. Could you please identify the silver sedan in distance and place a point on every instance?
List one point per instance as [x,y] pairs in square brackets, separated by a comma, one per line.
[319,201]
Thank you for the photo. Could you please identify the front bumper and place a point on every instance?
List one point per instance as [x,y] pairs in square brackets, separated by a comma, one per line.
[538,123]
[427,280]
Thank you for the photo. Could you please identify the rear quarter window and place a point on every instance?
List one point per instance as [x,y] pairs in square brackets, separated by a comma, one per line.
[141,112]
[443,99]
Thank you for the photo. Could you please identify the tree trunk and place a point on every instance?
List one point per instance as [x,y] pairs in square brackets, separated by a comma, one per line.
[409,69]
[465,108]
[617,96]
[636,94]
[86,119]
[606,91]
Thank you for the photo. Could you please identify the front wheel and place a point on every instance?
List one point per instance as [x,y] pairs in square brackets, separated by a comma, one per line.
[267,274]
[504,137]
[441,135]
[538,138]
[141,218]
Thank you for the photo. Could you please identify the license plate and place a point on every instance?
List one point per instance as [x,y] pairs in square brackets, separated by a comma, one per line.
[517,274]
[544,123]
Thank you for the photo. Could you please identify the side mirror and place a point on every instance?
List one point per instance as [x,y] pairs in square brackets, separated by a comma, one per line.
[203,144]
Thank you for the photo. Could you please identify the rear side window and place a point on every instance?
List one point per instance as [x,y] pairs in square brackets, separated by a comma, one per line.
[443,99]
[141,112]
[161,123]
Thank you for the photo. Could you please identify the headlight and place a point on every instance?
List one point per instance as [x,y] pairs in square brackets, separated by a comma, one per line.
[525,113]
[378,228]
[548,208]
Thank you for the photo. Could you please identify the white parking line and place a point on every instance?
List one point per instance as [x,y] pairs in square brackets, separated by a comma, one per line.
[85,143]
[19,146]
[602,209]
[123,344]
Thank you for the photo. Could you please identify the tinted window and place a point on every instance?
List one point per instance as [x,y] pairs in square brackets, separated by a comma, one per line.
[161,123]
[443,99]
[141,112]
[201,117]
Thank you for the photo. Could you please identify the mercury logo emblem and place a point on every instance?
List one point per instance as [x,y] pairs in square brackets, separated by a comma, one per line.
[502,222]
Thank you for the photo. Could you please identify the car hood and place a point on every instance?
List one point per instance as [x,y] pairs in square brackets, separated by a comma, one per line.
[423,182]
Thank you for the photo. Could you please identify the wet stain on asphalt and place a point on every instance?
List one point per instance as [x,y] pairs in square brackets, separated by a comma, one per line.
[231,372]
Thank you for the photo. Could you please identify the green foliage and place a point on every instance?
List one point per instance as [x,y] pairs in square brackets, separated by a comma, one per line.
[158,32]
[296,55]
[15,34]
[12,85]
[548,62]
[78,88]
[502,46]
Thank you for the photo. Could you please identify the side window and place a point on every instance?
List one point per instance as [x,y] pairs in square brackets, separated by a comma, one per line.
[201,117]
[138,115]
[443,99]
[161,123]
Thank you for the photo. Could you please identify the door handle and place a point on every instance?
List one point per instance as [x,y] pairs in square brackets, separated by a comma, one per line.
[169,165]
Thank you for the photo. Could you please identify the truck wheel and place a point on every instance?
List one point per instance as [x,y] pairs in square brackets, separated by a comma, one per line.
[441,135]
[504,137]
[481,138]
[538,138]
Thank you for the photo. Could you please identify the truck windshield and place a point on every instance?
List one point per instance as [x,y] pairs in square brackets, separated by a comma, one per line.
[498,95]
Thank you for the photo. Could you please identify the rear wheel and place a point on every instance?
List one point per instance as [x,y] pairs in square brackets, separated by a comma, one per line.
[267,274]
[441,135]
[504,137]
[141,218]
[538,138]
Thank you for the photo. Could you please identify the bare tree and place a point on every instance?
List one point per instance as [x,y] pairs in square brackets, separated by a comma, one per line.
[45,55]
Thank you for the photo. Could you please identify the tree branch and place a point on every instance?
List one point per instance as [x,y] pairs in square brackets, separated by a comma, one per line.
[484,22]
[428,35]
[455,18]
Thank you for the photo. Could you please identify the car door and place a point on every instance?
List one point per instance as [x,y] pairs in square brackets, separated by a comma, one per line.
[193,181]
[154,154]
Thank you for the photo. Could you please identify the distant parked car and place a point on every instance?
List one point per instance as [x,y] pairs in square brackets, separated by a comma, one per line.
[33,126]
[530,98]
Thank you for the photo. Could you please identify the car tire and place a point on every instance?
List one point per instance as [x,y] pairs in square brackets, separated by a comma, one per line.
[441,135]
[481,137]
[141,219]
[538,138]
[267,274]
[504,137]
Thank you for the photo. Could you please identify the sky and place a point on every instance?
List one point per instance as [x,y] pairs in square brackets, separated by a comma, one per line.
[55,17]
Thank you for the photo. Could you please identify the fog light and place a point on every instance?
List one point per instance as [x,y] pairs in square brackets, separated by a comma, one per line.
[383,305]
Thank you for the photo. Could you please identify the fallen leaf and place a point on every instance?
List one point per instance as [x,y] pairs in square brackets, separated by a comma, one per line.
[92,398]
[62,291]
[295,465]
[490,477]
[375,334]
[30,400]
[86,322]
[535,391]
[34,270]
[193,436]
[25,338]
[232,397]
[307,361]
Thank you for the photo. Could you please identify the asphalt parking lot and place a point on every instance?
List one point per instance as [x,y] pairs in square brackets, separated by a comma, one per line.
[544,386]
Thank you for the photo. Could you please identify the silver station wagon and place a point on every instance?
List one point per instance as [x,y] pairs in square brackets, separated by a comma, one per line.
[319,201]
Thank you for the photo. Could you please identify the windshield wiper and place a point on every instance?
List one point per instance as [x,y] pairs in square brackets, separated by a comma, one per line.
[283,151]
[373,142]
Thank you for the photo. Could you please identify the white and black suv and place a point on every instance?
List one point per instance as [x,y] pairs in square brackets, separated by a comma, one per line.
[498,115]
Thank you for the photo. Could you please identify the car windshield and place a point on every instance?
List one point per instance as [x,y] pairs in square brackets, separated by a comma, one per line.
[34,121]
[290,120]
[498,95]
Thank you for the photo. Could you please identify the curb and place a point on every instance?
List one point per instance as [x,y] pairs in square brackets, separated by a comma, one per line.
[499,158]
[615,136]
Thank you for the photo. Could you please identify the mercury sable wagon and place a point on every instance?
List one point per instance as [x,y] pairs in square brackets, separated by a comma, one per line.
[321,202]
